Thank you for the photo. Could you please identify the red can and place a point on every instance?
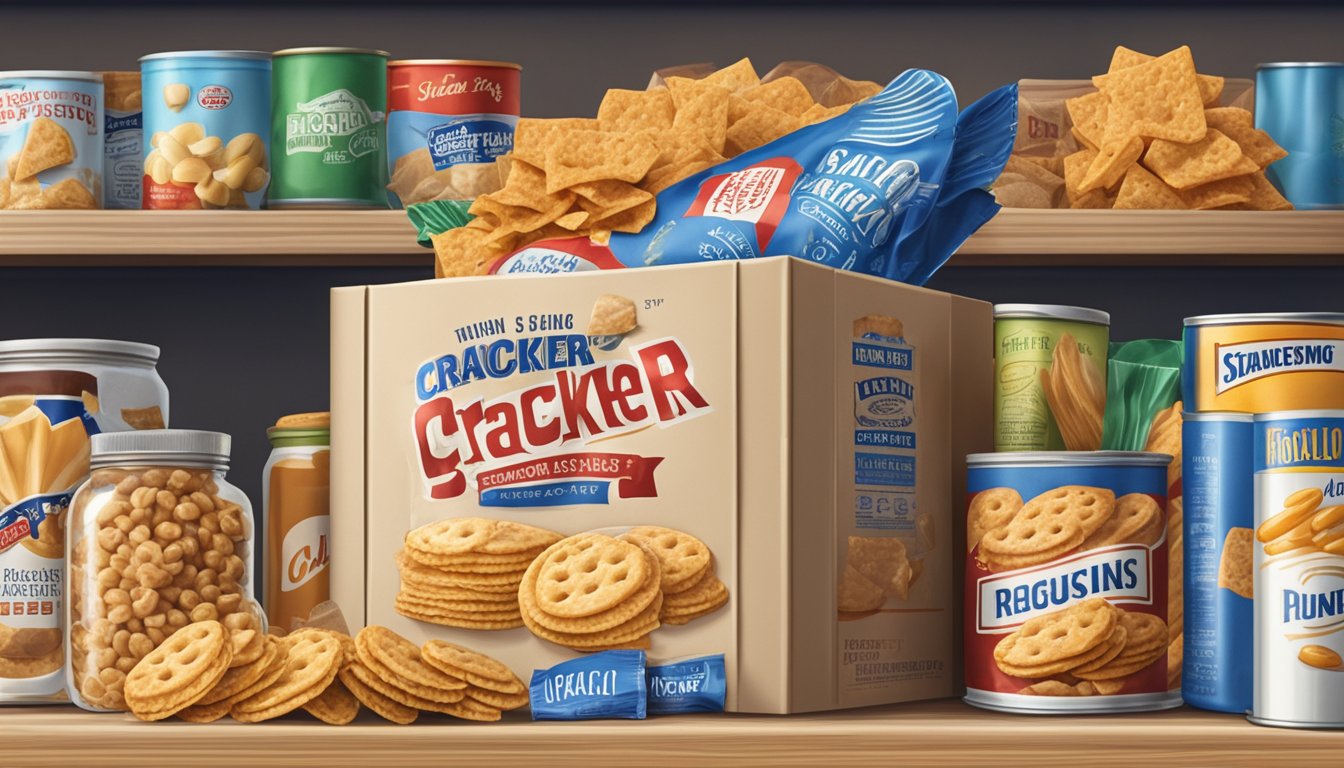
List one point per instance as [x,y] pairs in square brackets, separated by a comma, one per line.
[448,119]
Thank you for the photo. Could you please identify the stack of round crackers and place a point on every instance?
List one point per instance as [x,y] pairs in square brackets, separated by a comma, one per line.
[397,679]
[593,592]
[1092,647]
[1060,521]
[465,572]
[690,586]
[204,672]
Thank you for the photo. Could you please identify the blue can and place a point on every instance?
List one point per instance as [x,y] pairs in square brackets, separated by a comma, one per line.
[1219,515]
[1301,105]
[207,118]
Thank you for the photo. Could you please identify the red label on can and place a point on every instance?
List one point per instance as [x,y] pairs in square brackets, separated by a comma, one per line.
[453,89]
[214,97]
[170,196]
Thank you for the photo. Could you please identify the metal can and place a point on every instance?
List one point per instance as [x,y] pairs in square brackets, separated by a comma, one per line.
[1066,582]
[296,516]
[55,395]
[1049,377]
[1301,105]
[448,119]
[123,139]
[329,129]
[1256,363]
[1299,569]
[208,118]
[1219,520]
[51,140]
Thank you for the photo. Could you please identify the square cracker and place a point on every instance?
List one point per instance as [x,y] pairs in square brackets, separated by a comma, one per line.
[1158,99]
[612,315]
[1185,165]
[857,594]
[1236,566]
[882,561]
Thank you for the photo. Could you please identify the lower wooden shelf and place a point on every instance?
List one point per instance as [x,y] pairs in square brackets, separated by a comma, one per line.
[930,733]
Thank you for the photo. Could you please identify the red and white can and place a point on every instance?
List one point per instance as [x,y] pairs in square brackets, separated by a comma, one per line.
[1066,582]
[448,119]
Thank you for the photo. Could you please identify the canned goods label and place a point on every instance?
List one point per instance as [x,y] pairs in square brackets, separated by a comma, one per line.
[123,137]
[1257,366]
[298,527]
[51,143]
[208,123]
[337,126]
[1066,576]
[446,125]
[1217,481]
[1299,568]
[1049,384]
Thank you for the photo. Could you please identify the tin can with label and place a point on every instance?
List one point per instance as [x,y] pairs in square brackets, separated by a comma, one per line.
[1299,569]
[448,119]
[1049,377]
[296,516]
[1219,520]
[1066,582]
[1256,363]
[55,395]
[122,140]
[208,119]
[1301,106]
[51,140]
[329,129]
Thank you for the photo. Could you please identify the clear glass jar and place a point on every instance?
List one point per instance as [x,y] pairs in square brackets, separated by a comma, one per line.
[158,539]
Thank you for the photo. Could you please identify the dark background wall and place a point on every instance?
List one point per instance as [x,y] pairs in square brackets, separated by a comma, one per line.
[242,347]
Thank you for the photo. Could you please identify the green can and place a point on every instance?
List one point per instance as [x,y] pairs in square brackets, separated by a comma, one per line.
[1049,377]
[328,128]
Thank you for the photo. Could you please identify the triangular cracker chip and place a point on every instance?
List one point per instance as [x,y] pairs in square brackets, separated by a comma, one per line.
[1217,194]
[1186,165]
[1239,126]
[48,145]
[1158,99]
[1142,190]
[1210,86]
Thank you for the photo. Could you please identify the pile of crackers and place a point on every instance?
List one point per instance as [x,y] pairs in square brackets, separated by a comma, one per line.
[1153,135]
[876,568]
[574,177]
[205,671]
[465,572]
[47,146]
[1057,523]
[1089,648]
[589,592]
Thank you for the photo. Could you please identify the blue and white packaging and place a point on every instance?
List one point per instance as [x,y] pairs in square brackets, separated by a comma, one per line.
[689,685]
[600,686]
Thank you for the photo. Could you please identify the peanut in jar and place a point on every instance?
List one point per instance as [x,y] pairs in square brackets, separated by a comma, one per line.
[159,540]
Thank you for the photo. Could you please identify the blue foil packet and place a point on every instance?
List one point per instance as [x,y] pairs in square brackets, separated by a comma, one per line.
[689,685]
[599,686]
[891,187]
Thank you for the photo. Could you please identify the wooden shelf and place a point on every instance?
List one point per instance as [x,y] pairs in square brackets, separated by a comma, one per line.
[932,733]
[1014,238]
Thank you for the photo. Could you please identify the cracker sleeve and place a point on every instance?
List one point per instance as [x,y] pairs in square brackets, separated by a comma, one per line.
[609,685]
[690,685]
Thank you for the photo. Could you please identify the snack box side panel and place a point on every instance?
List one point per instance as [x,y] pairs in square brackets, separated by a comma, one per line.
[812,582]
[765,439]
[893,405]
[971,426]
[453,366]
[348,480]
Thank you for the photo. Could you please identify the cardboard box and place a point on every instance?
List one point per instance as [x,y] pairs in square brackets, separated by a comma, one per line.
[771,408]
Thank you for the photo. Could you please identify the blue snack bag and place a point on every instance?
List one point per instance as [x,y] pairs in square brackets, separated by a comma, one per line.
[689,685]
[605,685]
[891,187]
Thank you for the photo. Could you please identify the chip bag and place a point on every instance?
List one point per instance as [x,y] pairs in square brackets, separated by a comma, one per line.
[1144,380]
[890,187]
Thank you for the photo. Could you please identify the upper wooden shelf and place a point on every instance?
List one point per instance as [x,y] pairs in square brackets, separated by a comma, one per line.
[930,733]
[1014,238]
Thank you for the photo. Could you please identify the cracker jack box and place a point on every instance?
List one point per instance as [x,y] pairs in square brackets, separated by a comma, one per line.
[787,439]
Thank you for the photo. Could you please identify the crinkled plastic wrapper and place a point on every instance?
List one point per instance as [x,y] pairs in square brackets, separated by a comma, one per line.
[689,685]
[600,686]
[891,187]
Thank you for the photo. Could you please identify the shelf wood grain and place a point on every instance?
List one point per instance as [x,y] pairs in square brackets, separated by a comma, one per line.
[933,733]
[1014,238]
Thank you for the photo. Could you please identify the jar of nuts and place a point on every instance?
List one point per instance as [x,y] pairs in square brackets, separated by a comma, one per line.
[158,540]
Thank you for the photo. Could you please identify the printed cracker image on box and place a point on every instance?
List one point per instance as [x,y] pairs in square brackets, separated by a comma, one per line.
[724,461]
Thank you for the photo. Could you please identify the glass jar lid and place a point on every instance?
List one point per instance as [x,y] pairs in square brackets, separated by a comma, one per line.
[185,447]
